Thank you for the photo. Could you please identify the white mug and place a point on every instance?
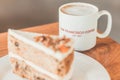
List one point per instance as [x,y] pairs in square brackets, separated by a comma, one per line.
[79,21]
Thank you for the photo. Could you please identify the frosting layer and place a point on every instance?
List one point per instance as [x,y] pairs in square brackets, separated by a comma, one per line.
[28,38]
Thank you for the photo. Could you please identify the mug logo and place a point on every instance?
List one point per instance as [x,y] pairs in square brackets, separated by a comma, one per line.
[78,33]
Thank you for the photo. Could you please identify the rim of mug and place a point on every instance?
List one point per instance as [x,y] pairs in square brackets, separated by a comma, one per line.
[88,4]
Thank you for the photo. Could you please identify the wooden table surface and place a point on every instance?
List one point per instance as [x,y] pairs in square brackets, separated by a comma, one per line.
[107,51]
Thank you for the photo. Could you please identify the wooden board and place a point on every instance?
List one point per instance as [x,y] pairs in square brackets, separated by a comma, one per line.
[107,51]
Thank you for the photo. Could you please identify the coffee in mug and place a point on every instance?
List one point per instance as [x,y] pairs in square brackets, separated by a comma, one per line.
[77,10]
[79,21]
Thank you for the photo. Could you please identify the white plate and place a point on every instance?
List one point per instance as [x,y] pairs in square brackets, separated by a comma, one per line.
[86,68]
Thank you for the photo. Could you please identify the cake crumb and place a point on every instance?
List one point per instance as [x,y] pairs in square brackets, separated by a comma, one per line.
[54,44]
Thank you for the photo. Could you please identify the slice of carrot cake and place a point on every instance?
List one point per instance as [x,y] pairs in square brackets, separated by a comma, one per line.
[40,56]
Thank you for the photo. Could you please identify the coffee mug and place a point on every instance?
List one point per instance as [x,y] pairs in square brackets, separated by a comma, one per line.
[79,21]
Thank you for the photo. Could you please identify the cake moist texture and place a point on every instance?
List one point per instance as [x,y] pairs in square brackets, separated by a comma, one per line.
[40,56]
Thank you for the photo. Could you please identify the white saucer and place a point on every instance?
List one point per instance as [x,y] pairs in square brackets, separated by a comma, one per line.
[86,68]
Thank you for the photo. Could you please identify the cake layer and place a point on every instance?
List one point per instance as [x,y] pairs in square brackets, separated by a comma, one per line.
[29,38]
[39,57]
[28,70]
[22,69]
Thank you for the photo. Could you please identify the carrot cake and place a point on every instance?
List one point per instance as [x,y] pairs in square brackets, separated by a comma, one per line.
[40,56]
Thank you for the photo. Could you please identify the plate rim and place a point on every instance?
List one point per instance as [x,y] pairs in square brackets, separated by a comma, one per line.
[97,62]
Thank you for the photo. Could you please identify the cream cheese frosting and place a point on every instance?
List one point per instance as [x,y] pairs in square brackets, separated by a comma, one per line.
[38,68]
[28,38]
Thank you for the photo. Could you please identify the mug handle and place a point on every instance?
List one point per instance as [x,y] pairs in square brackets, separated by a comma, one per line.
[109,24]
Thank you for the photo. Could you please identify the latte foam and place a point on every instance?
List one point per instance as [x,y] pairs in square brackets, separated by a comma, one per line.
[78,9]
